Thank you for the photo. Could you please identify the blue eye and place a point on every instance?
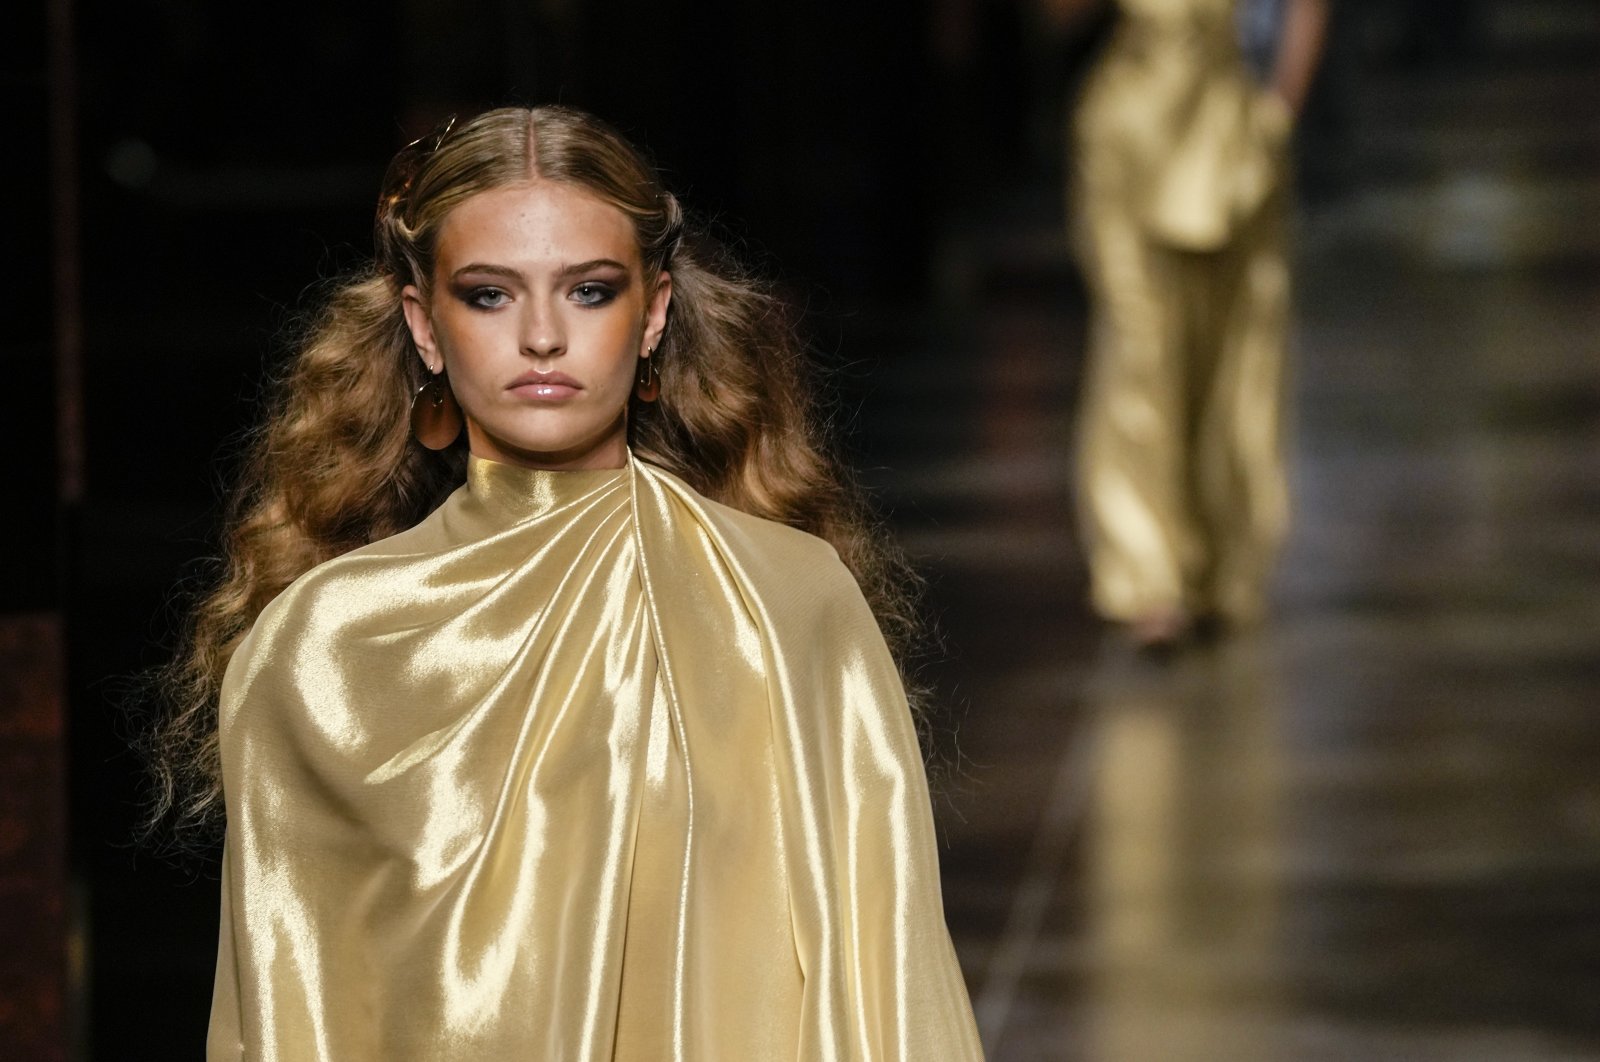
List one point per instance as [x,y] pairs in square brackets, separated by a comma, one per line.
[590,293]
[487,298]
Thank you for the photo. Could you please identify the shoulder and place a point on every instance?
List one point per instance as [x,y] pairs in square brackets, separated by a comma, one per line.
[319,605]
[321,633]
[348,578]
[767,551]
[790,581]
[779,544]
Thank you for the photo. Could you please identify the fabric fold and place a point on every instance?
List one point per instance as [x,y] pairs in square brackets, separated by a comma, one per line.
[584,766]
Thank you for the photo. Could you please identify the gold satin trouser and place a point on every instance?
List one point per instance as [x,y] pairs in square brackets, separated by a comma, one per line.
[1180,473]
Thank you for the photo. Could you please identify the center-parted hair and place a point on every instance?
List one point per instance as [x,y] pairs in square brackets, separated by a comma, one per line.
[334,467]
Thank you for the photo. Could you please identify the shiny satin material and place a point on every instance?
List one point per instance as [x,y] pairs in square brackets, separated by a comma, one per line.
[1181,173]
[584,766]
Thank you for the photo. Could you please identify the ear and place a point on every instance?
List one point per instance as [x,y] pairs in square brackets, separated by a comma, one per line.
[655,318]
[421,326]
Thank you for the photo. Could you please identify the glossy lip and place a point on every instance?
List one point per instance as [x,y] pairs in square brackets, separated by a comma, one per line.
[537,384]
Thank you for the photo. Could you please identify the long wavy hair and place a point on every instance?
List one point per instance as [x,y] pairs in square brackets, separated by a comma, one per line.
[334,466]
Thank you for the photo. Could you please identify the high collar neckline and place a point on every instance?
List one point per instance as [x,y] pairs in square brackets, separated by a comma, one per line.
[519,493]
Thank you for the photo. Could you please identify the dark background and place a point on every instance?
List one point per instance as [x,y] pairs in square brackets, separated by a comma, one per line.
[222,157]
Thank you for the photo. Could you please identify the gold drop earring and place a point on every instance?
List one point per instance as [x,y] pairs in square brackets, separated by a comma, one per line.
[647,384]
[435,414]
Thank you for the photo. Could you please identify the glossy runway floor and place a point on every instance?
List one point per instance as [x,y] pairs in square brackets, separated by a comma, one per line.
[1372,829]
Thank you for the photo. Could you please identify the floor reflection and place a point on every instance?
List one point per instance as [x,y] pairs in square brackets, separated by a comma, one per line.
[1183,831]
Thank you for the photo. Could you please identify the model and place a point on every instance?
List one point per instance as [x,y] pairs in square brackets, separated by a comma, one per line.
[571,737]
[1180,194]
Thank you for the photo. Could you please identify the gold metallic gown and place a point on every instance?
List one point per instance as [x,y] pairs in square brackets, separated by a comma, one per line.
[1180,200]
[584,766]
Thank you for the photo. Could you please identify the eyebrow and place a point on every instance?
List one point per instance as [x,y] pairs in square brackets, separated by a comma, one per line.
[566,271]
[593,264]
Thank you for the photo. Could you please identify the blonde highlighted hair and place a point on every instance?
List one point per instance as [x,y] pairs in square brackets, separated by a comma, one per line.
[334,466]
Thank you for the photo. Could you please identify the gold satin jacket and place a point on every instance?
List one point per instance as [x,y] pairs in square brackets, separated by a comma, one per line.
[1172,124]
[584,766]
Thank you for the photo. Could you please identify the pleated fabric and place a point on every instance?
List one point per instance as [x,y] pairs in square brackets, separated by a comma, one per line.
[584,766]
[1179,195]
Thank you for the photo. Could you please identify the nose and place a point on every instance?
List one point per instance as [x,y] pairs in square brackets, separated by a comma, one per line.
[543,334]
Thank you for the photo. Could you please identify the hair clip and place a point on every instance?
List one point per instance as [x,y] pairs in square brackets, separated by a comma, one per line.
[440,131]
[402,169]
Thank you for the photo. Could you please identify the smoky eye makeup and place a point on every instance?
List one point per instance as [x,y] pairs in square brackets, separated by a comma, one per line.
[592,293]
[594,283]
[484,297]
[480,288]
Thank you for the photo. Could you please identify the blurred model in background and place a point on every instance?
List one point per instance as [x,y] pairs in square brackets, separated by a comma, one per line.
[1181,184]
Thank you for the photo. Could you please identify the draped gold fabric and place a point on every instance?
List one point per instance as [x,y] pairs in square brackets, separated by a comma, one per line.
[584,766]
[1180,193]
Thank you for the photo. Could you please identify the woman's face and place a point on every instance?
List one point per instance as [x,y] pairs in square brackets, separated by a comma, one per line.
[539,313]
